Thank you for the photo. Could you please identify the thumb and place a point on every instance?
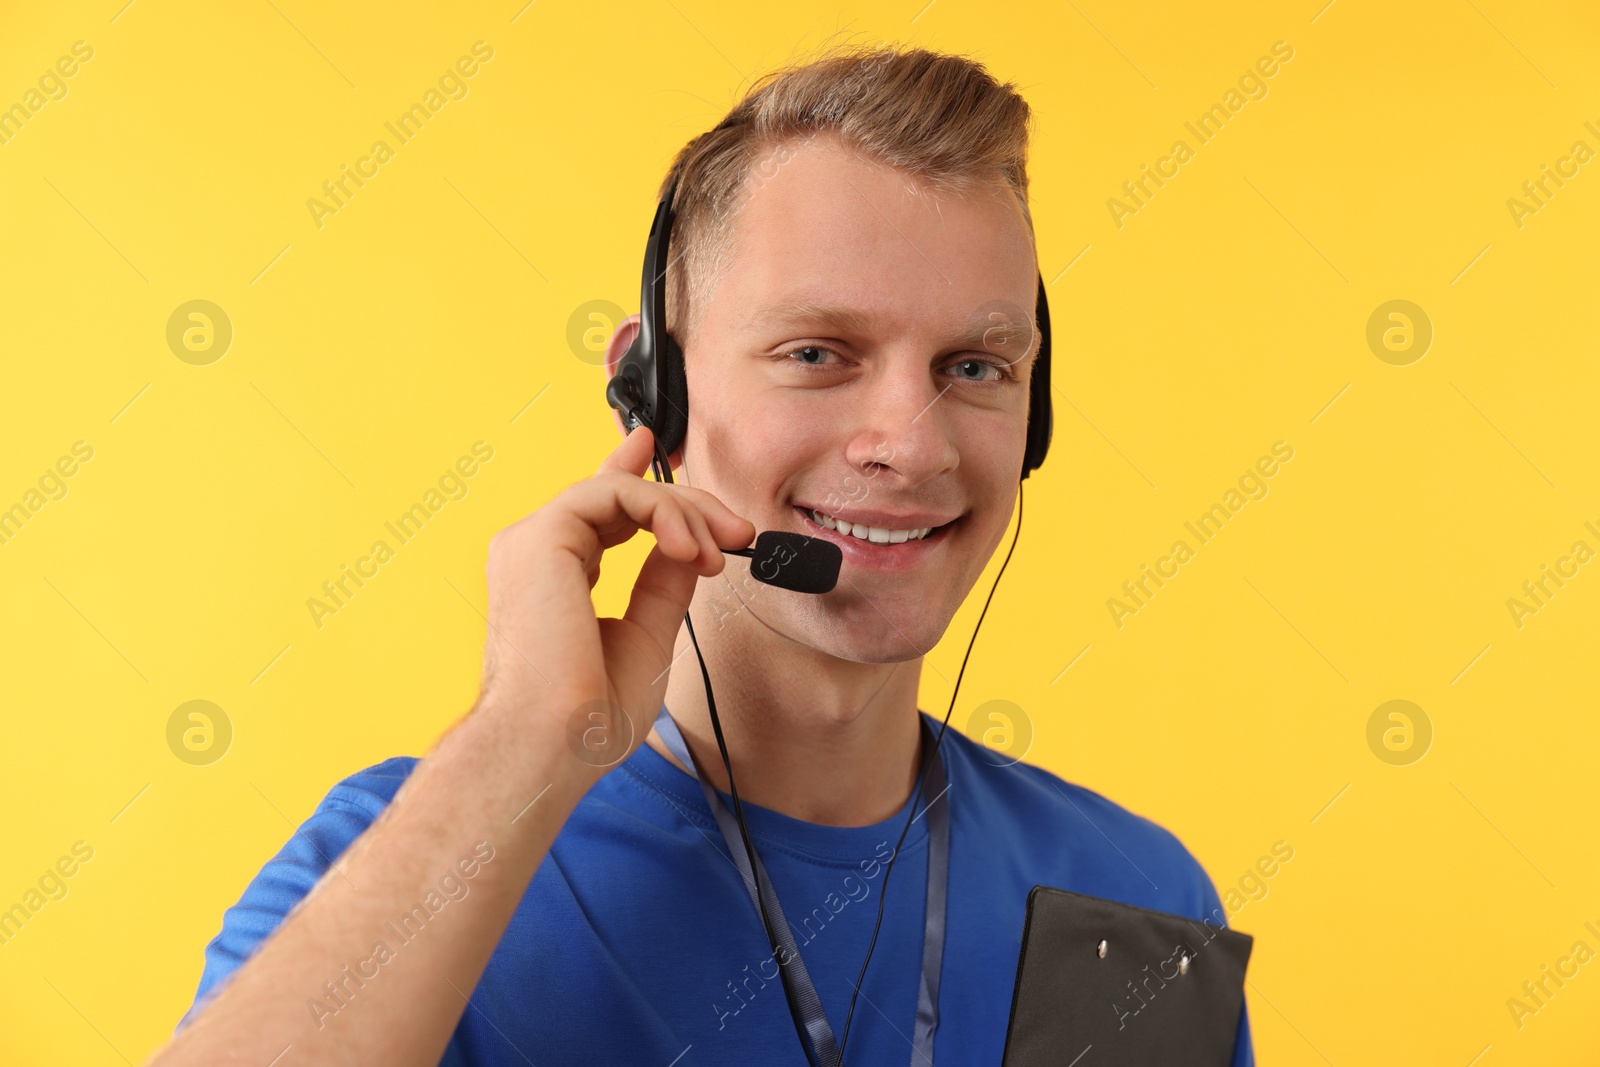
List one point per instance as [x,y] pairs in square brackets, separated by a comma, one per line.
[633,454]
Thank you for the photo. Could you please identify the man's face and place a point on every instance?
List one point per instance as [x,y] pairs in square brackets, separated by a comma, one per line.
[865,356]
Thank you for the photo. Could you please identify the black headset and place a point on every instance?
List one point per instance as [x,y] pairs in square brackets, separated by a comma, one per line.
[650,389]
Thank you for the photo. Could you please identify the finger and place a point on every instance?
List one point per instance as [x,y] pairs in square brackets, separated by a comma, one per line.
[608,509]
[660,599]
[708,560]
[633,454]
[707,553]
[614,505]
[728,529]
[674,530]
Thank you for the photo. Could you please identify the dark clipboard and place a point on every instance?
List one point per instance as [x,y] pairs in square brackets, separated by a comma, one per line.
[1137,1005]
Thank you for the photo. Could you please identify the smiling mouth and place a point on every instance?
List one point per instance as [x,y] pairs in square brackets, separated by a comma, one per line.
[874,535]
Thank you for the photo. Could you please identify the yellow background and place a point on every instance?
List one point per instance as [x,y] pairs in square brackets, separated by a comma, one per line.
[1229,313]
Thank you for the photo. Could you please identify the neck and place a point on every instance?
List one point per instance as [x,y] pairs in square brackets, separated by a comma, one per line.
[810,736]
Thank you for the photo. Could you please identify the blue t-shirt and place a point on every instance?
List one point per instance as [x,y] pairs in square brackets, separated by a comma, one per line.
[637,942]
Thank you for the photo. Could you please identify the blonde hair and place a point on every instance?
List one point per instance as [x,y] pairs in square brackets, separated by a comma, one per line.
[941,118]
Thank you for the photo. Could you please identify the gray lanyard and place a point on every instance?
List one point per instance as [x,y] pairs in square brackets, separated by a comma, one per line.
[815,1022]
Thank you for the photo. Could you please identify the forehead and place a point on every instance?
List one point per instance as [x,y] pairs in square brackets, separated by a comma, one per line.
[821,227]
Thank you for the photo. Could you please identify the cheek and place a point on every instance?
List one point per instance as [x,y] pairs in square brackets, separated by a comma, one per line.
[992,447]
[735,431]
[740,461]
[746,445]
[992,461]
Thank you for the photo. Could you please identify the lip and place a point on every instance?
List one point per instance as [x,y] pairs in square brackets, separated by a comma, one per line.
[905,556]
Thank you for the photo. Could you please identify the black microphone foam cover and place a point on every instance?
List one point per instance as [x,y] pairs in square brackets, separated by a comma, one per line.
[795,561]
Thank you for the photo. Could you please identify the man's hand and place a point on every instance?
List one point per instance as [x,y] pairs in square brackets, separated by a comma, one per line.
[546,650]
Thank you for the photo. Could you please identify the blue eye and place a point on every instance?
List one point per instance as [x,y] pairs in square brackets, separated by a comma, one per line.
[813,350]
[979,368]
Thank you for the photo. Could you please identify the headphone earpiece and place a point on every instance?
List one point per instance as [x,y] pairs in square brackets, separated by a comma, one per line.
[671,424]
[1041,413]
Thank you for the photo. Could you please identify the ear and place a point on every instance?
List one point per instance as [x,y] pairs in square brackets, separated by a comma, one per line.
[621,340]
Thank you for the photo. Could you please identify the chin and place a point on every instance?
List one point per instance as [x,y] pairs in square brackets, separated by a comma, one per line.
[859,634]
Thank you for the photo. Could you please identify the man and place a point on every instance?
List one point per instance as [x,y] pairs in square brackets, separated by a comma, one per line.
[506,900]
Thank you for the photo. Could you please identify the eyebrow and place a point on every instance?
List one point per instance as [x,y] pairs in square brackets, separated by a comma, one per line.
[809,311]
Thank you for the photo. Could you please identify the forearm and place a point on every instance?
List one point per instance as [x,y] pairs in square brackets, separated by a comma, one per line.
[493,783]
[342,980]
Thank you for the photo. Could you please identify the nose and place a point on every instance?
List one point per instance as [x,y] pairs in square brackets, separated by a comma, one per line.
[905,429]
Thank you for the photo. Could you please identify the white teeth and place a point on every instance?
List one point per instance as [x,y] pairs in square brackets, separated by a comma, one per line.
[878,535]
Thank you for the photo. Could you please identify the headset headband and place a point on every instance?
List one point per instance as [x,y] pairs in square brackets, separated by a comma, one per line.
[650,388]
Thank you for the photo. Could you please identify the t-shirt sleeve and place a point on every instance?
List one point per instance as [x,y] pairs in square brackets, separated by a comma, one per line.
[341,817]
